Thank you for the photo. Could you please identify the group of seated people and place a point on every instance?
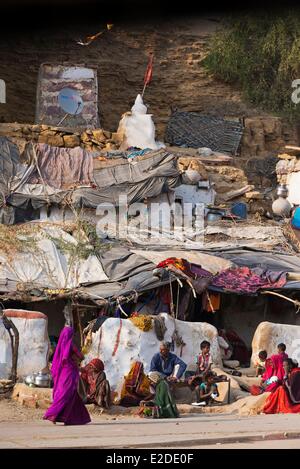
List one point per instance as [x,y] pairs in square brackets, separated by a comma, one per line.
[154,392]
[280,375]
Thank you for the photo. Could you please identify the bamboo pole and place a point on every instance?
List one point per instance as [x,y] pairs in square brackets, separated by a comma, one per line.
[295,302]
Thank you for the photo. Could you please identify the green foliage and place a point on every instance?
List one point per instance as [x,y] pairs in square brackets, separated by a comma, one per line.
[260,53]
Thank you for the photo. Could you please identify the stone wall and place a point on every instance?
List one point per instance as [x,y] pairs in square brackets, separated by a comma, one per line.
[94,140]
[265,136]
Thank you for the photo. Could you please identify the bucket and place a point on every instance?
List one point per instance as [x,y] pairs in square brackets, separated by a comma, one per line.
[239,209]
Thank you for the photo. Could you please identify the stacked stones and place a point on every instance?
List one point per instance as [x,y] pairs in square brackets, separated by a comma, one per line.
[91,140]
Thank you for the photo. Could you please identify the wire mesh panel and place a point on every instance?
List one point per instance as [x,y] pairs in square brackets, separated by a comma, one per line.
[194,130]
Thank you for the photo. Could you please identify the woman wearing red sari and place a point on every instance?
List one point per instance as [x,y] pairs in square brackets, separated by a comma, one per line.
[96,387]
[67,406]
[274,373]
[286,398]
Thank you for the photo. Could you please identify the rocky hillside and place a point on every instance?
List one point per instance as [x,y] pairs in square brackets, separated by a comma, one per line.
[121,56]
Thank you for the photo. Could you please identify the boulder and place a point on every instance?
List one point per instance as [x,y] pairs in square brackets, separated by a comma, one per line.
[119,343]
[268,335]
[33,346]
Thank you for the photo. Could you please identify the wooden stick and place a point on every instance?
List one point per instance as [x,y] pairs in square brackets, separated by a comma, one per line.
[79,327]
[296,302]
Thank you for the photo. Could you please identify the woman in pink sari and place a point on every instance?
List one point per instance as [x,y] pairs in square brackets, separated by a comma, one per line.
[67,406]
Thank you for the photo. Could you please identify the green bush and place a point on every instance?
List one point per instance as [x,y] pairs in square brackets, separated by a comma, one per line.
[260,53]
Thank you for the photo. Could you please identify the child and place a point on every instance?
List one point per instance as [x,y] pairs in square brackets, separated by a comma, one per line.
[204,363]
[260,363]
[207,391]
[204,360]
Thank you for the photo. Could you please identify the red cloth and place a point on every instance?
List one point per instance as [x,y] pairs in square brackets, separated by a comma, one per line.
[256,390]
[149,71]
[279,403]
[245,280]
[90,373]
[274,367]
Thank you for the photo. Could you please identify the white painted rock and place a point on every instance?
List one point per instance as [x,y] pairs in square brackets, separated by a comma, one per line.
[136,345]
[268,335]
[33,346]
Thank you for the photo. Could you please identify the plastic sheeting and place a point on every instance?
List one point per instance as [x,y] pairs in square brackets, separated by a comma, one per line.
[44,265]
[213,264]
[9,161]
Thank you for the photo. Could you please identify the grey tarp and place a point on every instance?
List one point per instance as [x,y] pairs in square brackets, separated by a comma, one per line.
[9,161]
[26,201]
[147,176]
[128,273]
[195,130]
[152,165]
[152,187]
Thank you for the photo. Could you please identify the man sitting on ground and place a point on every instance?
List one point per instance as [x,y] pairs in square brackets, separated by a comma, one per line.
[167,363]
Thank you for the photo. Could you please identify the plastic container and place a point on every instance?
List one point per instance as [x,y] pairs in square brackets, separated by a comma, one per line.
[296,219]
[239,209]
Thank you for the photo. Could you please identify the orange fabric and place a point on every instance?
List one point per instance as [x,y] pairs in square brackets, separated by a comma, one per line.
[279,403]
[212,303]
[22,313]
[136,385]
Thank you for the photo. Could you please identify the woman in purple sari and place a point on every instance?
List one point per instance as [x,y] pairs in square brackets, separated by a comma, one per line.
[67,406]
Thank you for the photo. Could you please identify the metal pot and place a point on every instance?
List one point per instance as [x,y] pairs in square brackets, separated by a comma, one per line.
[282,190]
[214,216]
[42,380]
[29,379]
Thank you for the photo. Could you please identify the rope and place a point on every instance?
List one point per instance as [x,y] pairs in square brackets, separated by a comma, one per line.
[121,309]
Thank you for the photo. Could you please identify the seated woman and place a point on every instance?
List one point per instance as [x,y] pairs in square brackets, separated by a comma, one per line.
[96,389]
[136,386]
[161,403]
[286,398]
[273,375]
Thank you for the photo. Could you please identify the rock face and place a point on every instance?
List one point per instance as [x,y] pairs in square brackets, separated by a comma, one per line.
[268,335]
[34,342]
[119,343]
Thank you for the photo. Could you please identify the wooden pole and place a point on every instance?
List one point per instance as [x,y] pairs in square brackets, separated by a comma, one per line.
[77,315]
[143,90]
